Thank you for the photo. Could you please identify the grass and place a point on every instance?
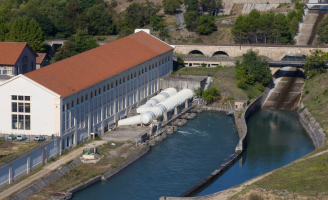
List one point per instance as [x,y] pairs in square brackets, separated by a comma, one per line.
[316,99]
[13,152]
[224,79]
[113,156]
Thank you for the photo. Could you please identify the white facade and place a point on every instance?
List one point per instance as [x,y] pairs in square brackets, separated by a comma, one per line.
[89,110]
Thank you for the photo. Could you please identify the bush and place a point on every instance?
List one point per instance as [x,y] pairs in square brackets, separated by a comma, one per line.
[325,92]
[260,87]
[203,65]
[197,40]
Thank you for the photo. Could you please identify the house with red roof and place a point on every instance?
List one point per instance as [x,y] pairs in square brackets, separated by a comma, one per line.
[86,93]
[42,60]
[16,58]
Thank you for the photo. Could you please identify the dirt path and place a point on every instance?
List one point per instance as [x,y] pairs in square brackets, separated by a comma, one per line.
[47,169]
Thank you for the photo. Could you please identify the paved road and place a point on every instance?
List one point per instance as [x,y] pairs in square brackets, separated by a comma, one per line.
[178,15]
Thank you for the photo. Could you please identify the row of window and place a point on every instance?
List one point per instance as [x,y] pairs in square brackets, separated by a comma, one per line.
[20,108]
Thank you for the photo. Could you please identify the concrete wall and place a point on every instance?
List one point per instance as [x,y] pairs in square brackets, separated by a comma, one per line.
[273,52]
[28,162]
[182,84]
[312,127]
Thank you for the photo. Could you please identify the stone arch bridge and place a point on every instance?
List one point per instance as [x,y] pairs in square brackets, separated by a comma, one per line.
[274,52]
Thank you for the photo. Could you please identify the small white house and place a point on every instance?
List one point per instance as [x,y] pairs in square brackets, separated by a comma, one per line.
[87,92]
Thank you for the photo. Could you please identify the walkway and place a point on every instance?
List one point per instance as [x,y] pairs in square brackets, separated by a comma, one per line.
[46,170]
[178,15]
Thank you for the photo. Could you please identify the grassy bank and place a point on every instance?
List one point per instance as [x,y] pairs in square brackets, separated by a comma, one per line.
[113,156]
[315,98]
[224,79]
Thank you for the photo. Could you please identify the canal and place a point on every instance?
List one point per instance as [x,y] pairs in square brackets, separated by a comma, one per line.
[275,138]
[175,164]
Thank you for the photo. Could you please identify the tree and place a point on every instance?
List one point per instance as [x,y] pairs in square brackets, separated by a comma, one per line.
[211,95]
[170,6]
[252,69]
[254,23]
[315,62]
[180,62]
[322,31]
[99,20]
[199,91]
[25,30]
[281,29]
[4,30]
[240,29]
[75,45]
[191,20]
[206,25]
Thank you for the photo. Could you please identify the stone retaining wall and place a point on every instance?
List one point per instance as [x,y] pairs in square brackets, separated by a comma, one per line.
[44,182]
[311,126]
[126,163]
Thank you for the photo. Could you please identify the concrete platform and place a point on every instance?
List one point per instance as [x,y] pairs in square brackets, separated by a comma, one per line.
[125,133]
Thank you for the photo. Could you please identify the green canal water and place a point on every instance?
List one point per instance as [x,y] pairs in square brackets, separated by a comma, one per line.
[275,138]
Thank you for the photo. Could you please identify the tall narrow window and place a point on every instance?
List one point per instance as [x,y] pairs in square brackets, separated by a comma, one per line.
[21,122]
[27,122]
[14,107]
[27,107]
[14,121]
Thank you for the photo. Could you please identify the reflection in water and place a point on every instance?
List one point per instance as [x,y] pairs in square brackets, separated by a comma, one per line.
[275,138]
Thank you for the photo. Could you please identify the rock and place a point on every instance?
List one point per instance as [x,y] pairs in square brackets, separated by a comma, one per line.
[229,21]
[159,139]
[152,143]
[164,135]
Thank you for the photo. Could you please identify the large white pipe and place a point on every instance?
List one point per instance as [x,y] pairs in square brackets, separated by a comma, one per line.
[156,99]
[130,121]
[158,111]
[166,105]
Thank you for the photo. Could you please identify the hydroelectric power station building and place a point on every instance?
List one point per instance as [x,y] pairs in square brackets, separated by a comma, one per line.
[87,92]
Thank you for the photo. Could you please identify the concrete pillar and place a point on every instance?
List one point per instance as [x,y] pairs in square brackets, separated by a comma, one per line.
[186,104]
[89,124]
[10,174]
[175,110]
[28,163]
[44,155]
[60,145]
[165,118]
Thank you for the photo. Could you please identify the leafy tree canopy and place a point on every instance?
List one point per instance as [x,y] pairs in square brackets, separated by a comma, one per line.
[75,45]
[211,95]
[252,69]
[315,62]
[25,30]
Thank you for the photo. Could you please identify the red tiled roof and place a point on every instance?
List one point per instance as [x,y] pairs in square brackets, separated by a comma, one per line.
[40,58]
[10,52]
[76,73]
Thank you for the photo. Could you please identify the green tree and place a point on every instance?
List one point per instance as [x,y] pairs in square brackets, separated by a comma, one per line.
[199,91]
[282,29]
[191,20]
[206,25]
[170,6]
[4,30]
[211,95]
[25,30]
[99,20]
[254,23]
[252,69]
[75,45]
[240,29]
[322,31]
[315,62]
[180,62]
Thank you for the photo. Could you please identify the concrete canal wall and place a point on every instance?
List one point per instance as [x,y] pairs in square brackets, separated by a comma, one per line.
[311,126]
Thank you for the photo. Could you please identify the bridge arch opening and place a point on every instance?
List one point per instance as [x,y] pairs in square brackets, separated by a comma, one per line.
[220,54]
[289,72]
[196,52]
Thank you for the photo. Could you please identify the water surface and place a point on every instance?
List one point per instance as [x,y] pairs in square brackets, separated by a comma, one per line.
[275,138]
[174,165]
